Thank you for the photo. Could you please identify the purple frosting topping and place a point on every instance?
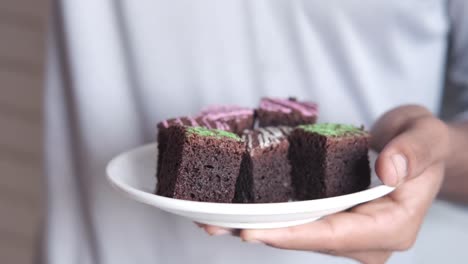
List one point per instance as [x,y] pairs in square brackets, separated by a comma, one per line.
[288,105]
[217,112]
[202,121]
[211,117]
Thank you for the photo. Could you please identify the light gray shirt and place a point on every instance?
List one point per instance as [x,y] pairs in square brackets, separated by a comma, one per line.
[116,68]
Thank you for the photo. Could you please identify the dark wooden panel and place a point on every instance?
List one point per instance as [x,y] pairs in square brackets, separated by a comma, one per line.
[17,253]
[21,94]
[21,179]
[21,45]
[20,136]
[19,222]
[25,8]
[22,51]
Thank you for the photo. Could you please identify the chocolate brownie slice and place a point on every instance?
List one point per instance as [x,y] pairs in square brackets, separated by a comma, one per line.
[265,171]
[286,112]
[201,164]
[328,160]
[237,118]
[184,121]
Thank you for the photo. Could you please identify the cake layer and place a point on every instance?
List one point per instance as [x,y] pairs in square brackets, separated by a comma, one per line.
[184,121]
[328,160]
[201,164]
[265,170]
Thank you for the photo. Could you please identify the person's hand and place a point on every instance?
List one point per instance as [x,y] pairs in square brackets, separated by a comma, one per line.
[413,146]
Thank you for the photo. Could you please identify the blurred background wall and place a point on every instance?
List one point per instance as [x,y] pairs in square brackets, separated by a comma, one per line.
[22,36]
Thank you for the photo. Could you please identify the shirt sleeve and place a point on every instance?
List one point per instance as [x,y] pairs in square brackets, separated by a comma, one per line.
[455,101]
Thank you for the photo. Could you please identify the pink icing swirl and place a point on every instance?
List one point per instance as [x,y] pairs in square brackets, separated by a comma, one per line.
[193,122]
[216,112]
[268,105]
[286,106]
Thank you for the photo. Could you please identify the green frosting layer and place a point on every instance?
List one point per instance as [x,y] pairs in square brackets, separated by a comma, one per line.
[205,132]
[334,130]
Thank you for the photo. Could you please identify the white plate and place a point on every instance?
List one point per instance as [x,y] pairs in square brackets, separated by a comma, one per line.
[133,174]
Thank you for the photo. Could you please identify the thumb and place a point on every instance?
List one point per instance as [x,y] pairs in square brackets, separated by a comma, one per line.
[421,143]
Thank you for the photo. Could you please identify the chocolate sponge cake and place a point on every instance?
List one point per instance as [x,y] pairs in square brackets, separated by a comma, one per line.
[201,164]
[265,171]
[236,118]
[286,112]
[229,118]
[163,133]
[328,160]
[185,121]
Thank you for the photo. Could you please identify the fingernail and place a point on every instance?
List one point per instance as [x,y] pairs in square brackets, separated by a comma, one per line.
[401,168]
[221,232]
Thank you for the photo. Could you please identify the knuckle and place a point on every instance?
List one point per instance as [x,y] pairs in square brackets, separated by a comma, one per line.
[334,245]
[417,153]
[408,240]
[427,143]
[438,135]
[435,125]
[441,130]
